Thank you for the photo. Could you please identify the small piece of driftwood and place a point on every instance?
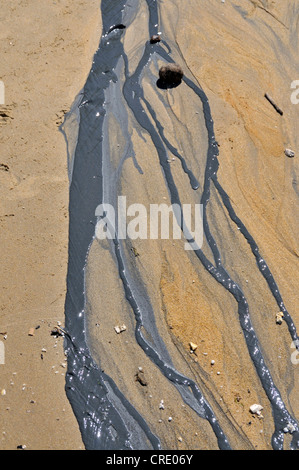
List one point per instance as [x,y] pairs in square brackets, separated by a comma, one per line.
[268,97]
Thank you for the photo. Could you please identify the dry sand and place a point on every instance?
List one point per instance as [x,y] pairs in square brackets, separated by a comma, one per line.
[46,57]
[46,53]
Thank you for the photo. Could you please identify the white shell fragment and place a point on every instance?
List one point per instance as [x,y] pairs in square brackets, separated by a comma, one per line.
[161,406]
[256,409]
[193,346]
[289,428]
[289,153]
[120,328]
[279,317]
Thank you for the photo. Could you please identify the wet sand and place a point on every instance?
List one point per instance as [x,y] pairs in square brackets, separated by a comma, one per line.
[236,51]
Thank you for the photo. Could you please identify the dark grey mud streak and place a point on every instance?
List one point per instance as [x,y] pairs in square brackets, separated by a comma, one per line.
[107,420]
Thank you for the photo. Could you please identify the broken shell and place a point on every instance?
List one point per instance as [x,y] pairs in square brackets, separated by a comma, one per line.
[193,346]
[161,406]
[120,328]
[289,428]
[279,317]
[289,153]
[256,409]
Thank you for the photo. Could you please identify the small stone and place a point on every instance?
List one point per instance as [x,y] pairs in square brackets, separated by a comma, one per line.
[212,362]
[31,332]
[161,406]
[170,418]
[171,74]
[289,153]
[193,346]
[155,38]
[3,392]
[180,439]
[279,317]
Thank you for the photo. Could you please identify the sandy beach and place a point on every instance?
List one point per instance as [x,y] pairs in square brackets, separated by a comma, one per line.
[236,51]
[46,53]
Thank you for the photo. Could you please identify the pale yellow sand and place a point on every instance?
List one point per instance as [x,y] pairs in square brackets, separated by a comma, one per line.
[46,53]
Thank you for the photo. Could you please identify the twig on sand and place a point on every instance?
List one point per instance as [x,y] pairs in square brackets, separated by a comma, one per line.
[58,331]
[268,97]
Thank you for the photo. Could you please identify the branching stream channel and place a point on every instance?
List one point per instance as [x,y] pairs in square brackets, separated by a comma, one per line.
[118,89]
